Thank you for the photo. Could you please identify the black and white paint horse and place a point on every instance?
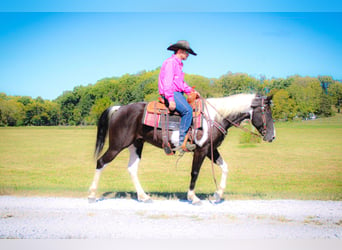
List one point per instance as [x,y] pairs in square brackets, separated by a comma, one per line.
[125,130]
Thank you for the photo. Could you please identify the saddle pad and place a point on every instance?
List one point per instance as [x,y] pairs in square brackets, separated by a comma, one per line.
[152,120]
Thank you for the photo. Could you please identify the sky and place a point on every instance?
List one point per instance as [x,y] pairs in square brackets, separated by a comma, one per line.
[47,49]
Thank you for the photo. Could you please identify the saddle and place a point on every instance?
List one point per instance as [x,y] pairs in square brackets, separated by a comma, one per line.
[159,106]
[157,115]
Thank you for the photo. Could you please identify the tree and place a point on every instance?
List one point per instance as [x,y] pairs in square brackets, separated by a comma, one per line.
[11,112]
[67,103]
[203,85]
[293,96]
[85,102]
[284,107]
[25,100]
[147,85]
[53,111]
[335,92]
[97,109]
[325,82]
[238,83]
[306,92]
[325,105]
[279,83]
[36,113]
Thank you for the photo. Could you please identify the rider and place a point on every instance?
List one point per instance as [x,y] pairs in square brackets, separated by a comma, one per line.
[172,86]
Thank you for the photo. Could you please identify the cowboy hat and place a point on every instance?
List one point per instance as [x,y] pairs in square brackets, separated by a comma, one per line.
[182,44]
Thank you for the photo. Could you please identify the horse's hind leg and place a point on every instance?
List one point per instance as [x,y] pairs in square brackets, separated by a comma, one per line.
[101,163]
[196,166]
[133,165]
[224,167]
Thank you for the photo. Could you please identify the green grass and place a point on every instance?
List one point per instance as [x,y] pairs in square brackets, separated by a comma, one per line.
[304,162]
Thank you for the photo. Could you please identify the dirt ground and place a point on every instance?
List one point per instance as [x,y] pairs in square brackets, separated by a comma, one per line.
[75,218]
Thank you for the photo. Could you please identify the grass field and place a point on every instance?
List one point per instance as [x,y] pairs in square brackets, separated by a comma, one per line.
[304,162]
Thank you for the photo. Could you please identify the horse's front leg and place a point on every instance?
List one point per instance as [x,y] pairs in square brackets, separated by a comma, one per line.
[196,166]
[224,167]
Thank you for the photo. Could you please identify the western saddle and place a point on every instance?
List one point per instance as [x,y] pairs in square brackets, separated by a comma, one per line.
[158,108]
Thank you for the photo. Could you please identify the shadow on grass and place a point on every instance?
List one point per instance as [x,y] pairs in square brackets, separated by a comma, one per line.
[182,196]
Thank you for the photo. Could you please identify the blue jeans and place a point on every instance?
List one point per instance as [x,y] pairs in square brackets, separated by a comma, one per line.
[185,110]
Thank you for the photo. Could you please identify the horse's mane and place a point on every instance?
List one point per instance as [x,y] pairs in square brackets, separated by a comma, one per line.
[230,105]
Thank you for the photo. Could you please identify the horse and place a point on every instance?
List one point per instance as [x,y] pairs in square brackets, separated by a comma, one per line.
[125,129]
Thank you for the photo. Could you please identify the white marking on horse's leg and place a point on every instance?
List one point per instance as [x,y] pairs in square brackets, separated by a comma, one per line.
[205,136]
[224,167]
[133,170]
[193,198]
[174,138]
[94,185]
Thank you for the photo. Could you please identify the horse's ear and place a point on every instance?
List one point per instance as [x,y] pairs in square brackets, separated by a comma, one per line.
[256,102]
[269,98]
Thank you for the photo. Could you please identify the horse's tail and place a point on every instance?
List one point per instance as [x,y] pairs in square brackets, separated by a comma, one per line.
[102,129]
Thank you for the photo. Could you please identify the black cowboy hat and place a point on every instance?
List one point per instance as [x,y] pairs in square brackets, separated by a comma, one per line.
[182,44]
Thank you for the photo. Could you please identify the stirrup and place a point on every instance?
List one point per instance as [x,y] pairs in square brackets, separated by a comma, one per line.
[189,147]
[186,147]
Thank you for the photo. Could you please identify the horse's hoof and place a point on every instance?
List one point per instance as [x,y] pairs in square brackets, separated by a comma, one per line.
[196,203]
[215,202]
[148,200]
[91,200]
[217,197]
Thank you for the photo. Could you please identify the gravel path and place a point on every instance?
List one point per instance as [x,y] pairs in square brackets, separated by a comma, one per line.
[65,218]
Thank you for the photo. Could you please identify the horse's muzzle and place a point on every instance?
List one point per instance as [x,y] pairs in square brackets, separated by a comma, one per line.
[271,139]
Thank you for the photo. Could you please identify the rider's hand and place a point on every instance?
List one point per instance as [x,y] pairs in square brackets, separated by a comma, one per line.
[172,105]
[197,94]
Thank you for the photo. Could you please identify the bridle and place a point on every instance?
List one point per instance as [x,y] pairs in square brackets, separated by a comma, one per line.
[224,131]
[263,116]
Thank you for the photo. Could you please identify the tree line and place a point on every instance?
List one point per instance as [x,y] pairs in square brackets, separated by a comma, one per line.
[294,97]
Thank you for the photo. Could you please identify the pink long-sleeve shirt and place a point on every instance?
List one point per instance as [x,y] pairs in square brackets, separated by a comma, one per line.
[171,78]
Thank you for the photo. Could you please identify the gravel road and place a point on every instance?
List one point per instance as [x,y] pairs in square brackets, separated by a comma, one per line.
[75,218]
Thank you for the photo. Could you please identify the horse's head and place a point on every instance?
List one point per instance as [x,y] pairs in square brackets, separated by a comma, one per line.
[261,117]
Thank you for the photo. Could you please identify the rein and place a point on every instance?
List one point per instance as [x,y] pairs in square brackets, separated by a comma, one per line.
[224,131]
[210,126]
